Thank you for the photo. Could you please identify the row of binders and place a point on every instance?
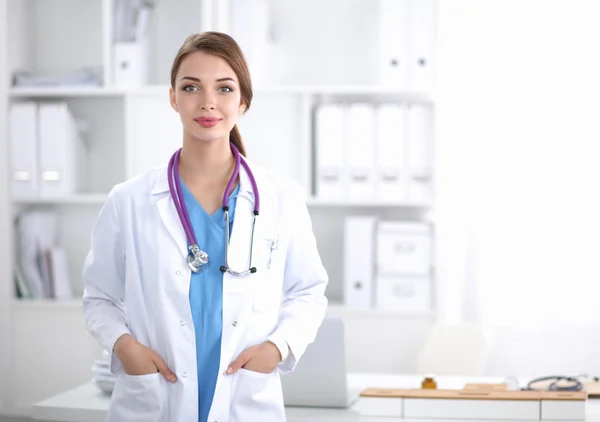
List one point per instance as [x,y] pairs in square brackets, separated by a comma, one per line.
[407,38]
[46,149]
[380,152]
[41,269]
[387,265]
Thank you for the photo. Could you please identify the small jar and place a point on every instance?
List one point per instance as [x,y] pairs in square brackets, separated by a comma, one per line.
[429,382]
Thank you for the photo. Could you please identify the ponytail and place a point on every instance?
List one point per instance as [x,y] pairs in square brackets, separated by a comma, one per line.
[236,139]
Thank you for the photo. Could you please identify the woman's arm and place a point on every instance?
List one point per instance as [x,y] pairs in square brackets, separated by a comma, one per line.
[104,281]
[305,279]
[103,299]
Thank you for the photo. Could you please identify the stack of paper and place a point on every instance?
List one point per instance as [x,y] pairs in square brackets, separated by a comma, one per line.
[41,267]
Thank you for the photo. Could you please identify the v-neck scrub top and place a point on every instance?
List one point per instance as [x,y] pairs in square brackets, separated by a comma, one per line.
[206,294]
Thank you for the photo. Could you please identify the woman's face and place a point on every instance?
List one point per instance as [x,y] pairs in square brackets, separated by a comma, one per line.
[207,97]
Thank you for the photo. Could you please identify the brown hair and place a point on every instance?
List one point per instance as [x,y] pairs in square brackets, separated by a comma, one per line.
[221,45]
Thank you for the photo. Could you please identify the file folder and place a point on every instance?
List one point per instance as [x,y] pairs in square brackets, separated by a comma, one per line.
[359,261]
[329,146]
[62,153]
[23,142]
[360,151]
[421,42]
[391,154]
[420,154]
[393,43]
[130,64]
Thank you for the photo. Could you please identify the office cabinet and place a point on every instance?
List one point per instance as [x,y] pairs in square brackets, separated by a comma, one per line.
[353,137]
[301,62]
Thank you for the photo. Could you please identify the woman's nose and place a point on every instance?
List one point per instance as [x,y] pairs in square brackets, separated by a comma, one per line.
[207,102]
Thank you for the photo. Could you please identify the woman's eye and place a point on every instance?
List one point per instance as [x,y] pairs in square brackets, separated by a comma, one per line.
[189,88]
[225,89]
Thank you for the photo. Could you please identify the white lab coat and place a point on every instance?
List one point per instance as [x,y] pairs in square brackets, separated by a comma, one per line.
[136,281]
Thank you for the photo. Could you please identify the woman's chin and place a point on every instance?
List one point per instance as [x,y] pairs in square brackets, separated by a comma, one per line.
[209,137]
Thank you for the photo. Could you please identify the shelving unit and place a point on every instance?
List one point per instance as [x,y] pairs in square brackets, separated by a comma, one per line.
[345,90]
[132,129]
[80,199]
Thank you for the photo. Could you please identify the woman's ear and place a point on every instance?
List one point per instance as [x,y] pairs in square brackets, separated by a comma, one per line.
[242,108]
[173,100]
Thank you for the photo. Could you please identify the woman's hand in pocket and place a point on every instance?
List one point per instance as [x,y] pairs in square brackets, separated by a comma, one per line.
[138,359]
[262,358]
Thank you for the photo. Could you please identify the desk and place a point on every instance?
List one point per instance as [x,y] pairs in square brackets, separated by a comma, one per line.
[87,404]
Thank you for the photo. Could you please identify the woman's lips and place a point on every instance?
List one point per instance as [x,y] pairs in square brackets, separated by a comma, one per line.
[208,121]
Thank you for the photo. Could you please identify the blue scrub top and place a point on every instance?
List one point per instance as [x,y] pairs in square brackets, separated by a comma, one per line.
[206,294]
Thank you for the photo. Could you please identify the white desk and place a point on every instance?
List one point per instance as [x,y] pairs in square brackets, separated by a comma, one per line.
[87,404]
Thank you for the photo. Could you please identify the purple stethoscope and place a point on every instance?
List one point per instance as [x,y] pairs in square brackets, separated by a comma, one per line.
[197,258]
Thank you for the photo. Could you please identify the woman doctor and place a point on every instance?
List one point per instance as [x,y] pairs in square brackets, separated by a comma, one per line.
[203,280]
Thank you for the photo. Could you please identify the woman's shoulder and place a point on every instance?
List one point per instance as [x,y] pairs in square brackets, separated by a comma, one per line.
[280,186]
[142,185]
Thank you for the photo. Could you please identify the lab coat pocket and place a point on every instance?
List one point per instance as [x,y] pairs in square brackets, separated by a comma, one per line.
[256,397]
[267,291]
[254,374]
[136,398]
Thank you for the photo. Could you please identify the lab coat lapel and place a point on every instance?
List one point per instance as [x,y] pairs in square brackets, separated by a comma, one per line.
[168,212]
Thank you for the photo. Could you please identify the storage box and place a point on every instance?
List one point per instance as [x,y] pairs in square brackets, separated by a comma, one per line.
[472,404]
[403,248]
[403,293]
[381,402]
[563,405]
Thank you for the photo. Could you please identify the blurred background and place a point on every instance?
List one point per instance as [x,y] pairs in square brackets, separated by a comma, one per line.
[448,150]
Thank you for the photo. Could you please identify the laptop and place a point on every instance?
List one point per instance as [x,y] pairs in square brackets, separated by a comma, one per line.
[320,378]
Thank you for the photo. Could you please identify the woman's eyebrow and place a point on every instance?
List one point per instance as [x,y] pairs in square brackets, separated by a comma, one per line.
[191,78]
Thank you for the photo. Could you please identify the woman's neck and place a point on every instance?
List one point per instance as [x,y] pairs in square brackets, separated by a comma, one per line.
[206,162]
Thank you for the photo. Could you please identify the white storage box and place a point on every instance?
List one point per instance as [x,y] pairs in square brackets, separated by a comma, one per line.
[381,402]
[563,405]
[403,248]
[398,293]
[478,402]
[476,405]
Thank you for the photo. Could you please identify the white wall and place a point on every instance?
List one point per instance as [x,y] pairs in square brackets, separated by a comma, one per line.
[5,238]
[518,129]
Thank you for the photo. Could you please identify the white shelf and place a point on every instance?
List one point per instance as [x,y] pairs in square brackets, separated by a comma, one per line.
[65,91]
[19,303]
[333,309]
[340,310]
[93,91]
[100,198]
[80,199]
[317,202]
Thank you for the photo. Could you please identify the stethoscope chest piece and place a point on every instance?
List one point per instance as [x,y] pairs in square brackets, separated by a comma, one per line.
[197,258]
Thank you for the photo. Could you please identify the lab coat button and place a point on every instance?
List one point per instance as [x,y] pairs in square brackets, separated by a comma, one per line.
[184,374]
[182,323]
[234,323]
[178,273]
